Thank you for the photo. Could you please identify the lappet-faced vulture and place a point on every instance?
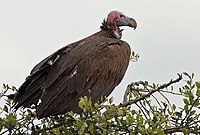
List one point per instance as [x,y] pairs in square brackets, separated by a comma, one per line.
[91,67]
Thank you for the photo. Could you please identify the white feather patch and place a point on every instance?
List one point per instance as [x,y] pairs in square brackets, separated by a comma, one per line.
[39,101]
[52,61]
[74,73]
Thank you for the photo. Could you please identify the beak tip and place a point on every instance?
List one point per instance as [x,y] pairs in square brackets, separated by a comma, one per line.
[133,24]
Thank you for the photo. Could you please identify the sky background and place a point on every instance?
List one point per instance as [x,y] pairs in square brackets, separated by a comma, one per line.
[167,37]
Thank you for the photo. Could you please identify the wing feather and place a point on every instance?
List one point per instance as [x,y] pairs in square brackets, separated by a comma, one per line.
[91,69]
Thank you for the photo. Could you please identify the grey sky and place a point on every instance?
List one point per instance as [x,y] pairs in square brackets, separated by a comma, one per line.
[167,37]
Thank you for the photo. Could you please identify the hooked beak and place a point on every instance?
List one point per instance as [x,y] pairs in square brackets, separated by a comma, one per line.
[127,21]
[132,23]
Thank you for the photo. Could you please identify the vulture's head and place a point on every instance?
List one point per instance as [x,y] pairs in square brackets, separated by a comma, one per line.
[116,19]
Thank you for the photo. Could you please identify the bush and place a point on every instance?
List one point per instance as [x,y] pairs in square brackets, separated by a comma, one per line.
[146,109]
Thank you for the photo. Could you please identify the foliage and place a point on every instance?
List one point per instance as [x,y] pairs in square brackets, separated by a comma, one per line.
[146,109]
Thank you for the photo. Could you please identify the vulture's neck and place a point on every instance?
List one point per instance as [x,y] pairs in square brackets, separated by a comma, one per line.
[112,30]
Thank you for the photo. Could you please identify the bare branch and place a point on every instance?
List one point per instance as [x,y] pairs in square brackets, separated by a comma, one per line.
[180,129]
[150,92]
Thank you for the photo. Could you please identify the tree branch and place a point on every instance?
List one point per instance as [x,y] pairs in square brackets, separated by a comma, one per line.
[150,92]
[180,129]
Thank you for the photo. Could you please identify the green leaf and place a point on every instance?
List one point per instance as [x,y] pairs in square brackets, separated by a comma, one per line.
[78,123]
[196,103]
[111,100]
[196,130]
[179,114]
[197,84]
[141,130]
[96,105]
[170,112]
[149,130]
[4,85]
[81,103]
[11,119]
[133,53]
[155,119]
[186,109]
[154,85]
[185,131]
[192,112]
[82,129]
[120,112]
[91,129]
[5,108]
[198,92]
[34,114]
[55,131]
[174,107]
[186,101]
[140,119]
[192,75]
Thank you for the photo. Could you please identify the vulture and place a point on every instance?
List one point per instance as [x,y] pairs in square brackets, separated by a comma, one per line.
[90,67]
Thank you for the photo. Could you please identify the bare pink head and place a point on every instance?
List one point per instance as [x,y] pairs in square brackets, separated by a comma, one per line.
[117,19]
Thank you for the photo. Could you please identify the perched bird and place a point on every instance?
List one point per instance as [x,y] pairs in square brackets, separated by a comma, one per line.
[91,67]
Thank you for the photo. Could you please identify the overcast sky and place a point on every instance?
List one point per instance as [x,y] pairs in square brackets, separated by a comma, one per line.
[167,37]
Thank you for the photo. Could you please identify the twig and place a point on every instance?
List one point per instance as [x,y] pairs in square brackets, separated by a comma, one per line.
[142,111]
[131,86]
[174,93]
[186,116]
[180,129]
[4,132]
[151,92]
[165,99]
[157,101]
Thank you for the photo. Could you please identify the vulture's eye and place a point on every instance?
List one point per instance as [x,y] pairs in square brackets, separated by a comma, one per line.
[121,16]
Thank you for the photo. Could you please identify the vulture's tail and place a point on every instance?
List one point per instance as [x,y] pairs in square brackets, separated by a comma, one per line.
[30,91]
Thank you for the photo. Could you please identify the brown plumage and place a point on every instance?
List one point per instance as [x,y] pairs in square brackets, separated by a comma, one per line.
[91,67]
